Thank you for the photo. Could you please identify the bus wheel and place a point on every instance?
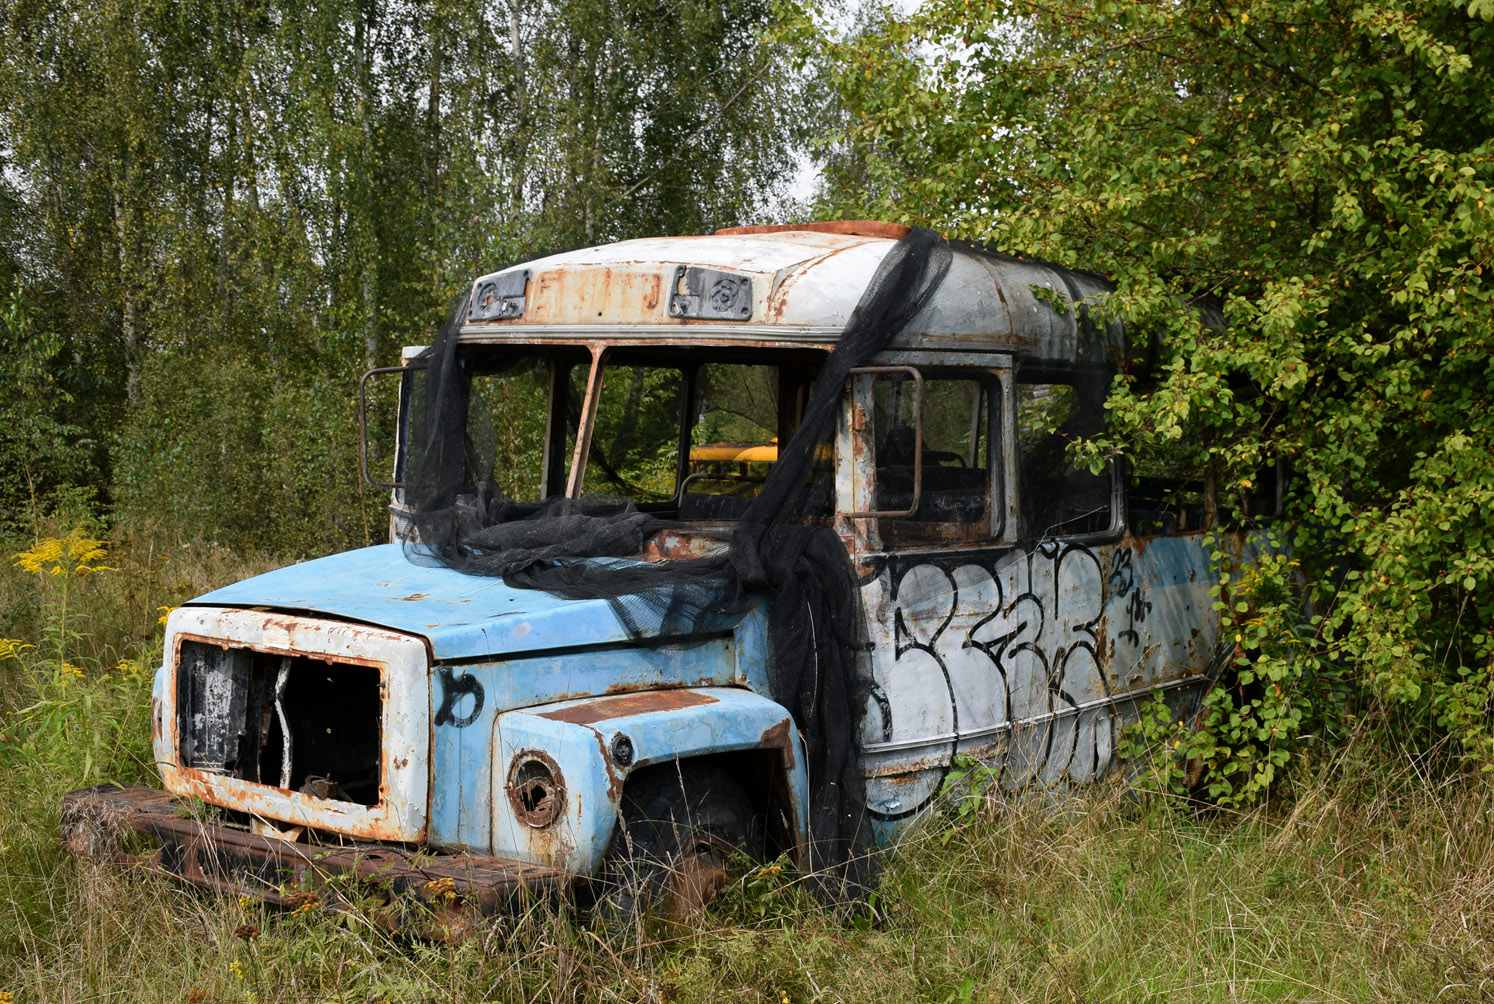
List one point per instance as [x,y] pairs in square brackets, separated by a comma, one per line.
[678,830]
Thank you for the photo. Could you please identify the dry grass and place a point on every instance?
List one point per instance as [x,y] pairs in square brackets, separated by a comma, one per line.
[1374,883]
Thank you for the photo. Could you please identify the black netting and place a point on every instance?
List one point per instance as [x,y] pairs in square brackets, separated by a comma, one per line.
[776,549]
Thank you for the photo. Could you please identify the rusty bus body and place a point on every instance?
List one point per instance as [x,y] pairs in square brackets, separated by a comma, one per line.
[357,712]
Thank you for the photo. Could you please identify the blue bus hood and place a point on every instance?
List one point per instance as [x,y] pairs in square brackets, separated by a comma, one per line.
[462,616]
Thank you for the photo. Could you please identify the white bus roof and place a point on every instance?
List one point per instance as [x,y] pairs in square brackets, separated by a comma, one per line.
[802,282]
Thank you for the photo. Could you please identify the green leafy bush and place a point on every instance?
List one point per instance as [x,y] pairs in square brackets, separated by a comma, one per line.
[1322,173]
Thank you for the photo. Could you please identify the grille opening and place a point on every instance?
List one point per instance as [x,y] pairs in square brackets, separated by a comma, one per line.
[289,721]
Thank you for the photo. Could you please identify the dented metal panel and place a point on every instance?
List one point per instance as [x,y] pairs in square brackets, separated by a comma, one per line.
[583,736]
[1030,658]
[402,663]
[466,700]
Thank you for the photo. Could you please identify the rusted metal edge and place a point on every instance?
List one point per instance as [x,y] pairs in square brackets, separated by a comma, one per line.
[847,228]
[218,856]
[1022,723]
[626,705]
[917,376]
[697,333]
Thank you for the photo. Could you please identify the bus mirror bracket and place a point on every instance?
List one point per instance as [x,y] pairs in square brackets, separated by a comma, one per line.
[363,421]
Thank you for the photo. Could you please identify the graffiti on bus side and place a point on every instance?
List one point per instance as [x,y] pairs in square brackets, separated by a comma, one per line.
[978,649]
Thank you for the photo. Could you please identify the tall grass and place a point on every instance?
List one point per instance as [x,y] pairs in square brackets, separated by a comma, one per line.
[1375,882]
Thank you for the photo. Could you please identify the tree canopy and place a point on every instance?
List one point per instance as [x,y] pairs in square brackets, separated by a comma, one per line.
[214,214]
[1321,171]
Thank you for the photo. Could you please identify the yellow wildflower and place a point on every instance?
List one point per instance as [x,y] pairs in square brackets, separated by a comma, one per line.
[81,548]
[441,890]
[130,669]
[301,902]
[72,553]
[165,613]
[76,672]
[237,968]
[48,551]
[11,648]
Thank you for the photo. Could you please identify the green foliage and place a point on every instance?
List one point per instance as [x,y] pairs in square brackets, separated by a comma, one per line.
[1321,171]
[635,442]
[216,216]
[505,426]
[38,447]
[70,716]
[245,455]
[1276,693]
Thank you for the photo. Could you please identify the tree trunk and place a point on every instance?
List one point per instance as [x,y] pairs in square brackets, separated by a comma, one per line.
[129,333]
[368,243]
[521,116]
[433,195]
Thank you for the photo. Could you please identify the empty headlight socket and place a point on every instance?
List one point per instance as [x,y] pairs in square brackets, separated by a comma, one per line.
[622,750]
[536,788]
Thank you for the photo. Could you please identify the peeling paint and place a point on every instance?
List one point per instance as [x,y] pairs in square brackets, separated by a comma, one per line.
[591,712]
[399,812]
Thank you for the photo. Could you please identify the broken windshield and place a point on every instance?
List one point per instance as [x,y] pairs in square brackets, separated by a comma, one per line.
[685,432]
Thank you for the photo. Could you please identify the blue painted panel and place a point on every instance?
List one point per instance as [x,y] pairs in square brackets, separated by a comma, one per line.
[525,680]
[463,616]
[466,699]
[461,717]
[751,640]
[729,719]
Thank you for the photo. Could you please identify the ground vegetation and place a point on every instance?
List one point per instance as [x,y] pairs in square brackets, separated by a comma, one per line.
[1372,884]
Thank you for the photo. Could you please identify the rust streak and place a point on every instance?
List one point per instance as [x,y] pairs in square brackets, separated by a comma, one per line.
[778,735]
[631,704]
[615,778]
[671,545]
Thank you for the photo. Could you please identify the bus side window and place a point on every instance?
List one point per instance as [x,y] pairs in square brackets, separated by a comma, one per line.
[1059,497]
[1169,492]
[956,451]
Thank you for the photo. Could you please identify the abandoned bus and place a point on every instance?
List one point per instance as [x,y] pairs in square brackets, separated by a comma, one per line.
[402,721]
